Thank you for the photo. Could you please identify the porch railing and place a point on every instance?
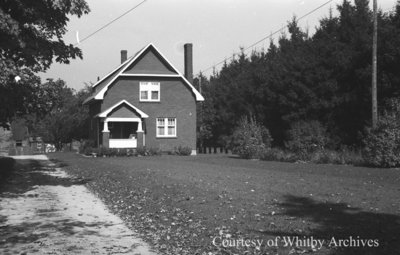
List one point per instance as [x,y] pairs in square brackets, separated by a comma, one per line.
[123,143]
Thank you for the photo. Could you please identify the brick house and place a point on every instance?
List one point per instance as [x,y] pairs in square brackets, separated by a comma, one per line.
[145,101]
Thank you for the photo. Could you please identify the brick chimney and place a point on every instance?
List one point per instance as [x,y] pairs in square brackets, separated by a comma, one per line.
[124,56]
[188,47]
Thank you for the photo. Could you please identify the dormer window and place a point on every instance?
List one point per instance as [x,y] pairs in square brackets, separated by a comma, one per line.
[150,91]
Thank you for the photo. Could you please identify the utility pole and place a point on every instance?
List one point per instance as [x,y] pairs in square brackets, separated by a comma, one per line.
[374,67]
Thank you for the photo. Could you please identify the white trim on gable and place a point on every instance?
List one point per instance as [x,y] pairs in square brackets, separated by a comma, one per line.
[150,75]
[106,112]
[109,74]
[199,97]
[114,119]
[88,100]
[101,93]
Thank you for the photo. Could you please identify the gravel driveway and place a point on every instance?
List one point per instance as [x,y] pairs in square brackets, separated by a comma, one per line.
[61,219]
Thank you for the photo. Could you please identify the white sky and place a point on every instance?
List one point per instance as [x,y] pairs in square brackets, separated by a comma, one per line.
[217,28]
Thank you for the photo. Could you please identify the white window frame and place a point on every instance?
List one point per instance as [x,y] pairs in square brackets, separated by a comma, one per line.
[149,87]
[166,127]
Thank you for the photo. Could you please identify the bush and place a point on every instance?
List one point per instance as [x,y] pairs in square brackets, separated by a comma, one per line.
[351,156]
[86,146]
[250,140]
[382,145]
[183,151]
[305,138]
[130,152]
[343,156]
[154,152]
[275,154]
[141,151]
[120,152]
[327,157]
[103,152]
[89,151]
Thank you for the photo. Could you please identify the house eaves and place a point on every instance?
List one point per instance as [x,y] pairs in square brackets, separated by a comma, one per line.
[100,95]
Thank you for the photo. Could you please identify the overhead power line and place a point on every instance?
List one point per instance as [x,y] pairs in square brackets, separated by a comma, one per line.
[267,37]
[112,21]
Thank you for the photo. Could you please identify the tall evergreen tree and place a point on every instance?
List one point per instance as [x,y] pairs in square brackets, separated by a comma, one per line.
[324,77]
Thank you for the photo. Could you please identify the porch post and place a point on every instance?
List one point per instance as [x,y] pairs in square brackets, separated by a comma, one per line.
[105,126]
[140,135]
[140,127]
[106,135]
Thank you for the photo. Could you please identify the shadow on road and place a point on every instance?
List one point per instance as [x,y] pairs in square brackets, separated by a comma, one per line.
[39,219]
[28,232]
[27,173]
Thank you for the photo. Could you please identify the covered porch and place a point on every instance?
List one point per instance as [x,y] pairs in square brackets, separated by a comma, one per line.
[122,126]
[122,133]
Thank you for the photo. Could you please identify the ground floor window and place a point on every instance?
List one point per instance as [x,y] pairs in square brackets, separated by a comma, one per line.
[166,127]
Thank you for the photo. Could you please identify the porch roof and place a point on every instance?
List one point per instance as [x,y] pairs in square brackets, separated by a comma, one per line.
[105,113]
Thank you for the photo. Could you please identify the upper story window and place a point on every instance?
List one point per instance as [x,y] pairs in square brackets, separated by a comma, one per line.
[149,91]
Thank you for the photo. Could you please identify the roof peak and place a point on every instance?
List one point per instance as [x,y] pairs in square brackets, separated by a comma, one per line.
[122,67]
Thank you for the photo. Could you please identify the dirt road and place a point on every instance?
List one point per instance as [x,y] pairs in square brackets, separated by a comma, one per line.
[61,219]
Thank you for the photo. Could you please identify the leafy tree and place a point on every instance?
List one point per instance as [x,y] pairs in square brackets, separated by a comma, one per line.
[31,33]
[66,118]
[58,115]
[80,113]
[205,113]
[389,55]
[18,98]
[44,99]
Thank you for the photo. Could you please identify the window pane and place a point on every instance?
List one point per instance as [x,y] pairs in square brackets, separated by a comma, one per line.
[171,122]
[160,122]
[154,95]
[143,95]
[171,130]
[160,131]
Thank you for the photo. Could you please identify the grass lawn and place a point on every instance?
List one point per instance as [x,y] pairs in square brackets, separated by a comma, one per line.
[182,204]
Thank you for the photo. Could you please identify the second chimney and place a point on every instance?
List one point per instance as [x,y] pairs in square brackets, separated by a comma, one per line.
[124,56]
[188,47]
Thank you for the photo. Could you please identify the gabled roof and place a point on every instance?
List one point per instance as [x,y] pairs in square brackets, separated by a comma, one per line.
[104,81]
[102,85]
[115,72]
[105,113]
